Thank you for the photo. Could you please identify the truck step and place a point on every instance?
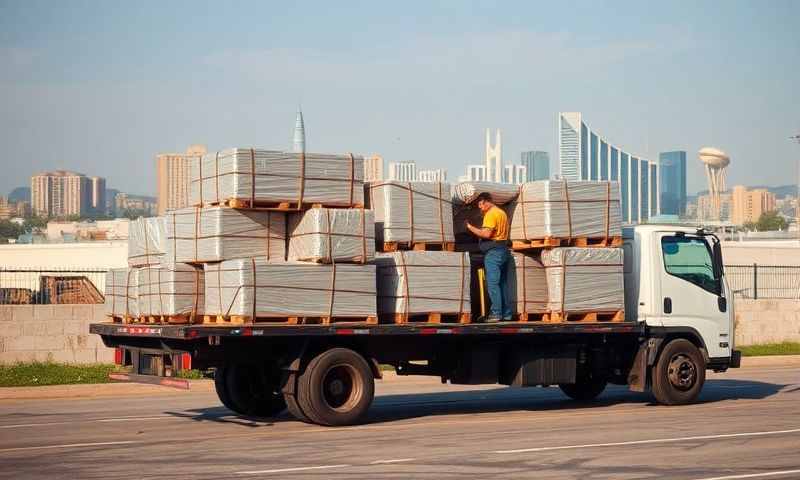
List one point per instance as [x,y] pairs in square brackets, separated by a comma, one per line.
[550,242]
[419,246]
[430,317]
[277,320]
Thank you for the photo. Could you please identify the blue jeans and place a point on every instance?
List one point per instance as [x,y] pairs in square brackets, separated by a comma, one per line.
[497,262]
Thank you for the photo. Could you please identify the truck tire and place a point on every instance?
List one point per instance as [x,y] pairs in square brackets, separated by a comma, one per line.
[221,386]
[585,388]
[253,391]
[336,388]
[679,374]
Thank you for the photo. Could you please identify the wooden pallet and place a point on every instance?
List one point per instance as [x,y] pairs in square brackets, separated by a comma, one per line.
[525,317]
[155,319]
[419,246]
[550,242]
[430,317]
[586,317]
[247,320]
[274,206]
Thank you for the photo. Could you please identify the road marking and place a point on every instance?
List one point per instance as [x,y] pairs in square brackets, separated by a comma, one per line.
[655,440]
[101,420]
[23,425]
[285,470]
[67,445]
[396,460]
[133,419]
[754,475]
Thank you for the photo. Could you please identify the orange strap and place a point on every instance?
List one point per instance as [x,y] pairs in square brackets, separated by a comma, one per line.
[569,210]
[333,288]
[524,287]
[255,288]
[441,213]
[411,211]
[252,178]
[328,232]
[407,305]
[352,178]
[363,214]
[461,296]
[522,207]
[302,180]
[216,176]
[608,209]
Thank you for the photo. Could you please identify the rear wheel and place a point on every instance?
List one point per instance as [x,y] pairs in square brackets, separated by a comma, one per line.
[221,386]
[336,388]
[586,387]
[679,374]
[250,389]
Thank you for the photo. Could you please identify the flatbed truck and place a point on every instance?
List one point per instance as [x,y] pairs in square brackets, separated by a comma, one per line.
[679,323]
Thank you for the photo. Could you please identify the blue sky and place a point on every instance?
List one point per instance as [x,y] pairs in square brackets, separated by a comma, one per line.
[101,87]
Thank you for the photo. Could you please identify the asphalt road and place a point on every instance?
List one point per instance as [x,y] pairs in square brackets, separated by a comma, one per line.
[746,426]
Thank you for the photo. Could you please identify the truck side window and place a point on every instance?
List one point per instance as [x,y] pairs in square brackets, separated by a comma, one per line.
[689,258]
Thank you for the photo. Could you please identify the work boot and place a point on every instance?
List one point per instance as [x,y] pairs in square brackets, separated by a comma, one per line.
[489,319]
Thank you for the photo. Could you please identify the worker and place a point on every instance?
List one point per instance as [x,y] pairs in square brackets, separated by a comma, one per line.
[493,235]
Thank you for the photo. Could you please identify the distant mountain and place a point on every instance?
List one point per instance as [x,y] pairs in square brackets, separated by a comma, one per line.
[20,194]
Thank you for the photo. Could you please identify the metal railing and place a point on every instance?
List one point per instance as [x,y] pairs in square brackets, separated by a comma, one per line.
[764,281]
[51,286]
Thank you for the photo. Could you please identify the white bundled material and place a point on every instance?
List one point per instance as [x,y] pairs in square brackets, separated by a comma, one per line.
[423,282]
[567,209]
[530,282]
[584,279]
[173,291]
[146,241]
[122,292]
[256,288]
[266,176]
[328,235]
[212,234]
[502,193]
[412,212]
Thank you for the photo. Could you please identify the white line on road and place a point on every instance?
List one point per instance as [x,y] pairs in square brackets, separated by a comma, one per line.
[754,475]
[68,445]
[24,425]
[395,460]
[285,470]
[134,419]
[101,420]
[655,440]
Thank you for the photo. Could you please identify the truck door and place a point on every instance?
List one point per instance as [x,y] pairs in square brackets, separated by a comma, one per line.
[691,296]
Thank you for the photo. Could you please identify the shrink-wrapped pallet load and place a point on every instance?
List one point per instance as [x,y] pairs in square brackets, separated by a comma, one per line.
[326,235]
[213,234]
[256,288]
[146,238]
[416,282]
[566,209]
[263,177]
[529,284]
[412,212]
[584,279]
[122,292]
[176,291]
[502,193]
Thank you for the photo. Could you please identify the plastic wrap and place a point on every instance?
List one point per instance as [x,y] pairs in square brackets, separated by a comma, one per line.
[567,209]
[326,234]
[212,234]
[422,282]
[175,291]
[584,279]
[272,177]
[257,288]
[146,238]
[412,212]
[122,292]
[502,193]
[529,283]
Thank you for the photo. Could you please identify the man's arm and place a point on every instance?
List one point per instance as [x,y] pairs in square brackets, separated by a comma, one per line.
[484,233]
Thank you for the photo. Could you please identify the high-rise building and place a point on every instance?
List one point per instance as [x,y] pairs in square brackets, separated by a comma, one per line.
[299,141]
[173,177]
[5,209]
[437,175]
[373,168]
[494,157]
[98,185]
[672,184]
[475,173]
[403,171]
[585,155]
[749,205]
[61,193]
[515,174]
[537,164]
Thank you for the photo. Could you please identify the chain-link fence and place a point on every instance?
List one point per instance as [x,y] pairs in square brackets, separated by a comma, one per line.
[764,281]
[51,286]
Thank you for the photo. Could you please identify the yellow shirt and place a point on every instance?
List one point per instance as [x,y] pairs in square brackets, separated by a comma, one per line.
[497,220]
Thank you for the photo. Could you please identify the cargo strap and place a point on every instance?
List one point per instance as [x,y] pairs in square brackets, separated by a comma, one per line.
[216,176]
[524,286]
[569,209]
[255,287]
[302,180]
[522,205]
[198,217]
[352,178]
[113,291]
[411,211]
[196,304]
[461,295]
[268,235]
[441,213]
[363,214]
[406,281]
[253,178]
[128,292]
[608,210]
[329,236]
[174,216]
[333,290]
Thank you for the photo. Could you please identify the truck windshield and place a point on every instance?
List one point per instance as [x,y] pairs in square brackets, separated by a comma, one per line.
[689,258]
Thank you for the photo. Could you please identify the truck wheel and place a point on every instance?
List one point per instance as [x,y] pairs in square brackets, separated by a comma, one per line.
[679,373]
[585,388]
[336,388]
[253,391]
[221,386]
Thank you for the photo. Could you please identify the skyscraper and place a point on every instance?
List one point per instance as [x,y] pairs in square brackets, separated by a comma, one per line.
[749,205]
[436,175]
[585,155]
[373,168]
[537,164]
[673,182]
[98,204]
[515,174]
[494,157]
[61,193]
[299,142]
[403,171]
[173,177]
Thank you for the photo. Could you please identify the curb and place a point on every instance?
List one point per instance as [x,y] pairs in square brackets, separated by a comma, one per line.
[771,360]
[99,390]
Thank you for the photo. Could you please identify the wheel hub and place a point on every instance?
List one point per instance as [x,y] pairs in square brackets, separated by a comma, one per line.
[682,372]
[340,388]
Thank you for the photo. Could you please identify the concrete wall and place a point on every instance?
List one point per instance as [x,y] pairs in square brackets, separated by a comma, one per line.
[51,332]
[762,252]
[767,321]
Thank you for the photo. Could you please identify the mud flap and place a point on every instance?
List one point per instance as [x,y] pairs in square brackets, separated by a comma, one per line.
[645,357]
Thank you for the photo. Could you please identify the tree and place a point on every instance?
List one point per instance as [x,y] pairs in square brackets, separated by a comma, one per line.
[771,221]
[10,229]
[35,222]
